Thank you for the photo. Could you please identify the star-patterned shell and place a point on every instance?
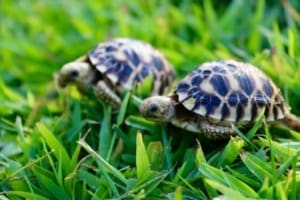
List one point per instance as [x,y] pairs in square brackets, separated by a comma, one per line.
[127,62]
[230,91]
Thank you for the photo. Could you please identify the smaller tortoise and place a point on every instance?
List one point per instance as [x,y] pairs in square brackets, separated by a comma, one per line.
[115,66]
[219,94]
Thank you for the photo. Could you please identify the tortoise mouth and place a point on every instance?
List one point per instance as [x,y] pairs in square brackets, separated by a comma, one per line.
[62,81]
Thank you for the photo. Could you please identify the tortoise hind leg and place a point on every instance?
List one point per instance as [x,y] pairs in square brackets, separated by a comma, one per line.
[292,121]
[104,93]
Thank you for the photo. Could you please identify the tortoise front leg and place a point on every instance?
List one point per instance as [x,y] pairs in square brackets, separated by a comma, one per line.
[107,95]
[216,132]
[202,126]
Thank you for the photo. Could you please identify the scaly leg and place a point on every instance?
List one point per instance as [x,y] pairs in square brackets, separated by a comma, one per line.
[107,95]
[199,125]
[216,132]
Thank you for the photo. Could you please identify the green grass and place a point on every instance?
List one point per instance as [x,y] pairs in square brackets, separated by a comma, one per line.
[57,144]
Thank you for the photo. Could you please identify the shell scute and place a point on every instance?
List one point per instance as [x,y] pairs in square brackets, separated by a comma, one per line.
[192,91]
[232,99]
[260,99]
[196,80]
[231,67]
[220,84]
[206,73]
[225,112]
[111,48]
[133,57]
[240,112]
[124,73]
[182,87]
[267,87]
[246,83]
[144,72]
[213,103]
[113,70]
[158,64]
[230,91]
[208,101]
[127,62]
[218,68]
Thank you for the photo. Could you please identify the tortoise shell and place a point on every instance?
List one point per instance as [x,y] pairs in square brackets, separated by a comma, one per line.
[230,91]
[127,62]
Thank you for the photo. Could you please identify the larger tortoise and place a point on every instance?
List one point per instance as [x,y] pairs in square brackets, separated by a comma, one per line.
[218,94]
[115,66]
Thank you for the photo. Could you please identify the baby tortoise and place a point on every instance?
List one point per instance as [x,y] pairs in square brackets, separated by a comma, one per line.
[115,66]
[219,94]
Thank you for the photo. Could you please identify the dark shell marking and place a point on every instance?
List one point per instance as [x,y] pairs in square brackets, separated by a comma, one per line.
[127,62]
[230,91]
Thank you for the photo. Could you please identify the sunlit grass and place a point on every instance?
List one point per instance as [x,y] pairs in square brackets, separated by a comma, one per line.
[57,144]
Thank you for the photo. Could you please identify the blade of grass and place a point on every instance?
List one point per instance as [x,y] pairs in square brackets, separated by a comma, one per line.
[293,179]
[287,164]
[143,124]
[228,193]
[244,177]
[111,146]
[9,93]
[222,177]
[122,135]
[254,37]
[273,164]
[200,157]
[19,128]
[122,112]
[56,190]
[77,122]
[105,132]
[240,134]
[25,195]
[103,162]
[57,170]
[231,151]
[259,122]
[257,167]
[91,179]
[167,150]
[155,152]
[292,41]
[178,193]
[199,193]
[142,160]
[136,100]
[59,150]
[179,173]
[280,150]
[280,193]
[148,182]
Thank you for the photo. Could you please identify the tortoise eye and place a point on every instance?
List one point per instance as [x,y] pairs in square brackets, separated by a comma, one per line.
[73,74]
[153,108]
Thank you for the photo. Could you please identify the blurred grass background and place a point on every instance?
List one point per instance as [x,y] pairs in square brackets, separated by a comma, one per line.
[37,37]
[40,126]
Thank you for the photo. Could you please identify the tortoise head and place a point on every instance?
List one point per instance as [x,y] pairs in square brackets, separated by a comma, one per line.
[158,108]
[78,72]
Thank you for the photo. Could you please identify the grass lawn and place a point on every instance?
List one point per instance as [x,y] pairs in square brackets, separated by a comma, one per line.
[58,144]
